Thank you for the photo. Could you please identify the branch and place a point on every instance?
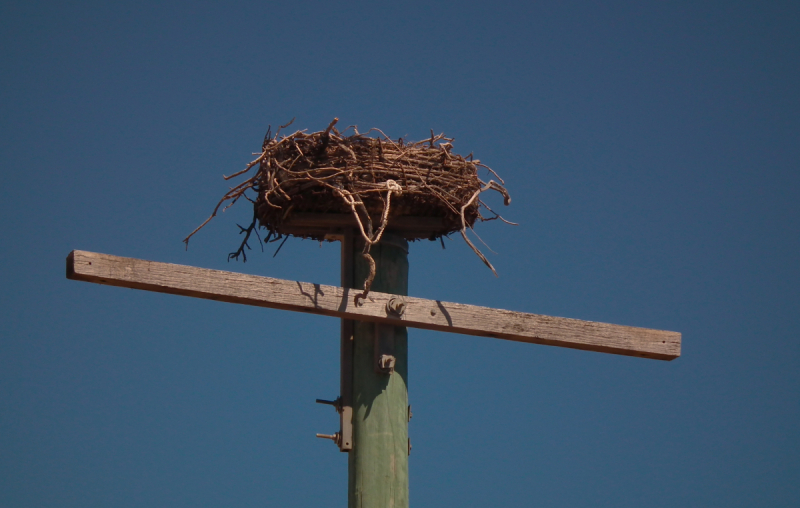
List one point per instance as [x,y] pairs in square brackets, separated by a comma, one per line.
[248,231]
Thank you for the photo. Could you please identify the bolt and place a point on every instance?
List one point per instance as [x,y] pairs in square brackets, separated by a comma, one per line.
[336,438]
[386,363]
[337,403]
[396,305]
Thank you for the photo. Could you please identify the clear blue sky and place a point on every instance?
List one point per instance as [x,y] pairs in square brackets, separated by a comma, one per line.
[652,152]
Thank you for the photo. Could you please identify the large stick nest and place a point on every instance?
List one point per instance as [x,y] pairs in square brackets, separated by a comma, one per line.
[374,178]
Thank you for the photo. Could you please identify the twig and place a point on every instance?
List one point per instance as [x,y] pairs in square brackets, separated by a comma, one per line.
[248,230]
[281,245]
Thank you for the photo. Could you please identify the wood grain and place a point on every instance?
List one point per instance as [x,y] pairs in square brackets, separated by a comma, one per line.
[338,302]
[321,224]
[378,463]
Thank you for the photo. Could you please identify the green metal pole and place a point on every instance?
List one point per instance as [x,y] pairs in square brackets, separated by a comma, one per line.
[378,462]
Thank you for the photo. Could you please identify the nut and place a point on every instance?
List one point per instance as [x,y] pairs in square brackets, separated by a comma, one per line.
[396,305]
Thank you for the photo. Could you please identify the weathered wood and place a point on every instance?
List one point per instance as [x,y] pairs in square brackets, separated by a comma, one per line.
[378,462]
[346,351]
[338,302]
[321,224]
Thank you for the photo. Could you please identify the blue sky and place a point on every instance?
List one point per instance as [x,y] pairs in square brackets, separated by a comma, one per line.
[651,151]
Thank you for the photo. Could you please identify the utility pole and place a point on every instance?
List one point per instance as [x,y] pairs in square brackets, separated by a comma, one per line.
[378,462]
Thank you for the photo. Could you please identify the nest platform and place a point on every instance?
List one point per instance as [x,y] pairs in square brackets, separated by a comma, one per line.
[316,185]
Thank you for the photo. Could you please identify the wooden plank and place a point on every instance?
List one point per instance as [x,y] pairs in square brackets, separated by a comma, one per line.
[322,224]
[338,302]
[333,220]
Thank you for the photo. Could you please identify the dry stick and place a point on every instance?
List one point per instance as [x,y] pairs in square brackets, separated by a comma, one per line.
[385,136]
[497,215]
[283,127]
[226,197]
[294,143]
[279,189]
[451,207]
[478,163]
[233,202]
[266,199]
[247,168]
[348,149]
[491,185]
[328,130]
[481,239]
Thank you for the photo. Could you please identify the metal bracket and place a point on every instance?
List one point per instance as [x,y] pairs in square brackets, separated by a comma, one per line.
[346,351]
[410,414]
[337,437]
[344,403]
[343,438]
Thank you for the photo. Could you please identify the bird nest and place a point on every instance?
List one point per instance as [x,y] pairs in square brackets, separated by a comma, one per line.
[369,178]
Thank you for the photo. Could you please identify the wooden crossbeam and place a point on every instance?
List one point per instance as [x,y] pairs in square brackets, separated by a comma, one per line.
[339,302]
